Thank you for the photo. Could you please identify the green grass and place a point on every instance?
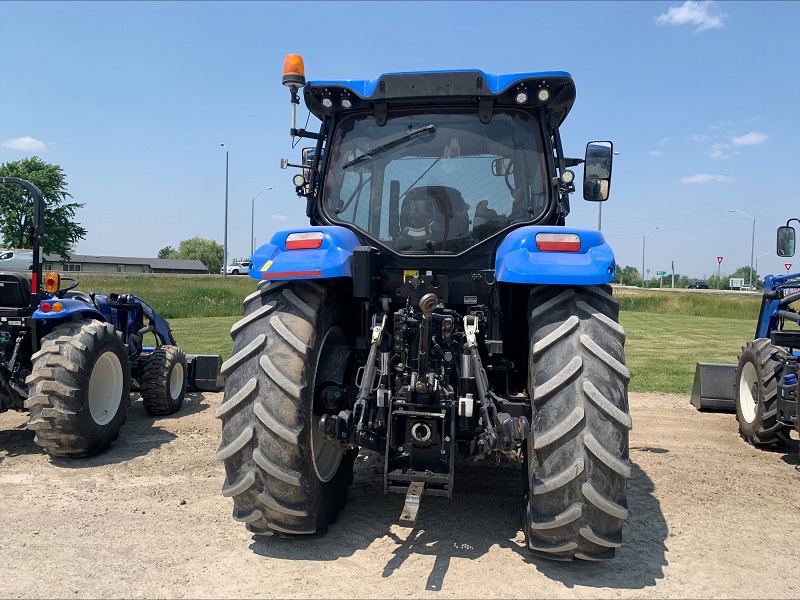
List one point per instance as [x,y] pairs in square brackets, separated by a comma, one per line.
[177,296]
[697,304]
[663,350]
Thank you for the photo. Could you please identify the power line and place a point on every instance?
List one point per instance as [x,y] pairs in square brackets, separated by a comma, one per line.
[700,212]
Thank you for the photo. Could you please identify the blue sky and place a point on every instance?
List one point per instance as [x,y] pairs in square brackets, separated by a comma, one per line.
[701,99]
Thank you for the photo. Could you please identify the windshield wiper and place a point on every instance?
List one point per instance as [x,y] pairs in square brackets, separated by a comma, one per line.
[389,145]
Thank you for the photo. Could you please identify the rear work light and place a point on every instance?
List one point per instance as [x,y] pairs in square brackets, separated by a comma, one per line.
[310,240]
[558,242]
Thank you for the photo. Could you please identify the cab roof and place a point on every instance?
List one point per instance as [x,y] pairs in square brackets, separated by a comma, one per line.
[442,87]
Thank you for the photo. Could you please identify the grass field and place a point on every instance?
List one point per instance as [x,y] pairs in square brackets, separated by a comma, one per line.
[668,332]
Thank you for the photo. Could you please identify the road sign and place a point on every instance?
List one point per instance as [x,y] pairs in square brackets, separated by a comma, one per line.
[661,273]
[788,266]
[719,260]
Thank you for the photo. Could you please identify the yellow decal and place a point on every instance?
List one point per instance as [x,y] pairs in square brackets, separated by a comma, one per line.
[410,274]
[266,266]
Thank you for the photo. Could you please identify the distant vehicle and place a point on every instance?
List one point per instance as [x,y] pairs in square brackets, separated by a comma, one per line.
[698,285]
[237,267]
[16,260]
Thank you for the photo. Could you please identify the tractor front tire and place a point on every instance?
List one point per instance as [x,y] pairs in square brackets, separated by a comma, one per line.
[79,389]
[284,477]
[163,384]
[756,393]
[577,450]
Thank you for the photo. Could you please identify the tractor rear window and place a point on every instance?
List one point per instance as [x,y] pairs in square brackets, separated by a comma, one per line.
[436,182]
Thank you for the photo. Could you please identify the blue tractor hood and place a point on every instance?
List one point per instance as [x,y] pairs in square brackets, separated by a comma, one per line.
[441,87]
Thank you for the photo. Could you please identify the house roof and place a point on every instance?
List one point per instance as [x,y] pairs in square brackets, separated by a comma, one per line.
[153,263]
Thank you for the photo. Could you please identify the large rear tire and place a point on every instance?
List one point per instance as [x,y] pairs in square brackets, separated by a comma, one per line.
[79,389]
[577,451]
[756,393]
[284,477]
[164,381]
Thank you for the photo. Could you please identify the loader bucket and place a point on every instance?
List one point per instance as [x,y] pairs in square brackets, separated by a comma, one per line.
[204,372]
[713,387]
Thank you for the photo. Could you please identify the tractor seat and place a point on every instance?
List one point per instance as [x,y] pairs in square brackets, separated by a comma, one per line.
[429,211]
[15,295]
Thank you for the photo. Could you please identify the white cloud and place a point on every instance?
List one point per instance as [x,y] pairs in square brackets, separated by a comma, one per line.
[702,14]
[280,218]
[26,144]
[706,178]
[749,139]
[655,153]
[697,137]
[718,151]
[663,142]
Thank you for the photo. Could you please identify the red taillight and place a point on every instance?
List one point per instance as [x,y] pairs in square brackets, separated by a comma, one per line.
[558,242]
[310,240]
[45,307]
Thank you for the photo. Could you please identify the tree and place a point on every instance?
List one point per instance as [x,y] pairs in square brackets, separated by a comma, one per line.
[628,276]
[166,252]
[208,252]
[61,232]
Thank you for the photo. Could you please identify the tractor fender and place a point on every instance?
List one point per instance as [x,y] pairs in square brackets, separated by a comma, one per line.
[69,308]
[519,260]
[333,257]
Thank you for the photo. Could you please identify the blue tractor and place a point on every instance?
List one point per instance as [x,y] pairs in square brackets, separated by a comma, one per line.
[70,358]
[765,388]
[436,310]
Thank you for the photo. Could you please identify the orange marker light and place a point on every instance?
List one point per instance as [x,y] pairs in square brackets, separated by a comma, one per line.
[52,282]
[58,307]
[294,71]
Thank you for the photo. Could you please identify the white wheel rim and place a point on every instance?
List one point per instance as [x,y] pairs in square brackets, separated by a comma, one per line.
[748,392]
[105,388]
[326,454]
[176,381]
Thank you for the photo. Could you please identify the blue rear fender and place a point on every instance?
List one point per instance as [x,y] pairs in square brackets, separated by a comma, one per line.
[333,258]
[519,260]
[70,308]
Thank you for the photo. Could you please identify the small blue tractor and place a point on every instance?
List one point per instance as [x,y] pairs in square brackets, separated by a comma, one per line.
[70,358]
[436,310]
[762,387]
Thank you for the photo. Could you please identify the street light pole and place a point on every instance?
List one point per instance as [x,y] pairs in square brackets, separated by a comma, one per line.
[643,239]
[252,218]
[752,241]
[225,238]
[757,257]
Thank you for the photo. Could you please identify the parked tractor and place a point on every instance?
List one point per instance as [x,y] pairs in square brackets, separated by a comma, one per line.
[70,357]
[436,310]
[762,387]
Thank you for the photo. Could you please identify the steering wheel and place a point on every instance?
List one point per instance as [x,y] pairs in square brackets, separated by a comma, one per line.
[60,293]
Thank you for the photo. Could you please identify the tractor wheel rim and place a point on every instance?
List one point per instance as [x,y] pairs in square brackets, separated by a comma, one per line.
[326,454]
[748,392]
[176,381]
[105,388]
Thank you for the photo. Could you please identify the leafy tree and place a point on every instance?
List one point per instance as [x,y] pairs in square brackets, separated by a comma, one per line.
[166,252]
[628,276]
[206,251]
[61,233]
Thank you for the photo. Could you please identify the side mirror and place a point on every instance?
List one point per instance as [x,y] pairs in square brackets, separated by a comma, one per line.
[502,167]
[786,241]
[597,171]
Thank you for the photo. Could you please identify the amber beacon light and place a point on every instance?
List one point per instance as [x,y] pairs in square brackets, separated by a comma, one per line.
[294,71]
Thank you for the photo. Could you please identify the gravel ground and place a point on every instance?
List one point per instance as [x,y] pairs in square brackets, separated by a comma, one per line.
[710,517]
